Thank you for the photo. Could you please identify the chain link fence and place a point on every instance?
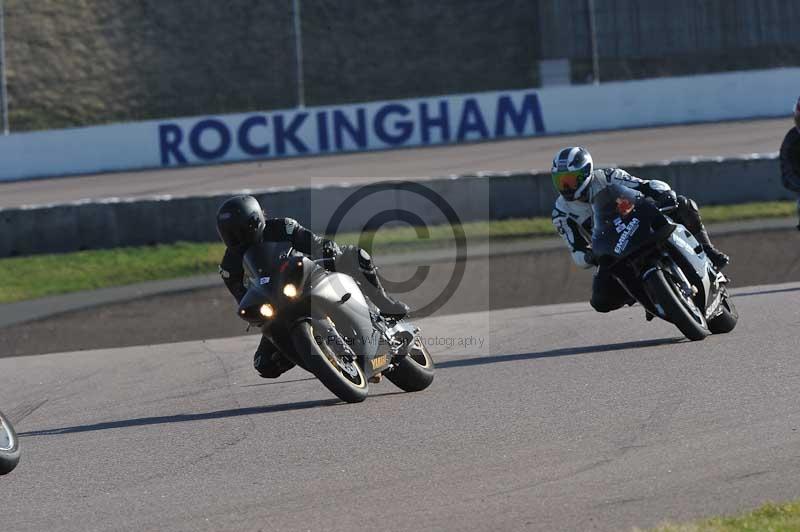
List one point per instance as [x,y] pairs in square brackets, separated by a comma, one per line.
[83,62]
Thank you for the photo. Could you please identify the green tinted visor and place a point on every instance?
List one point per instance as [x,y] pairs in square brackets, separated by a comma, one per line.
[567,183]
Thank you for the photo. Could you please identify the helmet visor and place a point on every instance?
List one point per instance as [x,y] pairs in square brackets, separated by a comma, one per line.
[567,183]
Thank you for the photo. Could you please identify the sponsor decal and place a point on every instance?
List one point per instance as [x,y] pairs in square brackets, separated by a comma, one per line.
[377,362]
[263,281]
[627,231]
[346,128]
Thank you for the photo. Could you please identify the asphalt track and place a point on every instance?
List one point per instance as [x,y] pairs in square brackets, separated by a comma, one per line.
[616,147]
[562,419]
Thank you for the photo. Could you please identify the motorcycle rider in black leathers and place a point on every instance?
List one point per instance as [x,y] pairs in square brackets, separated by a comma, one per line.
[578,182]
[790,158]
[241,223]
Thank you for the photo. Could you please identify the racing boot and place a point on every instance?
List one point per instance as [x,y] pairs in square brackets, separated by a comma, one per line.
[358,263]
[717,258]
[688,213]
[373,289]
[269,362]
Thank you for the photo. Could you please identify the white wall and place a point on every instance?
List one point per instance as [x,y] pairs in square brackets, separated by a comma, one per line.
[400,123]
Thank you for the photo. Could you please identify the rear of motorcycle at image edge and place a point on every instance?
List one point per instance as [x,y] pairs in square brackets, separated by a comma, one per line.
[660,263]
[321,321]
[9,446]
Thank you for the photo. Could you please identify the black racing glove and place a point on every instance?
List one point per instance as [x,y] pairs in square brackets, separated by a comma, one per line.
[330,251]
[667,200]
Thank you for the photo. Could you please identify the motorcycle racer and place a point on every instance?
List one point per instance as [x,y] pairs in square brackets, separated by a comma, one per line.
[790,157]
[241,223]
[577,182]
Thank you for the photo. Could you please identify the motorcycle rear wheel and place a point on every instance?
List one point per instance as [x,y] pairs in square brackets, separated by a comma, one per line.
[727,320]
[344,378]
[676,309]
[414,371]
[9,446]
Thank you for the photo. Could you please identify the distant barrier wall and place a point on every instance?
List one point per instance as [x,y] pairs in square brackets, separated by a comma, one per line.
[399,123]
[87,225]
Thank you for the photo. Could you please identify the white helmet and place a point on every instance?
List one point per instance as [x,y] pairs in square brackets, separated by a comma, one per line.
[572,172]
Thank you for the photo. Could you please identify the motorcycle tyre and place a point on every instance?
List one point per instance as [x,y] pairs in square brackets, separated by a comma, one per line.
[664,293]
[318,363]
[9,458]
[725,322]
[410,375]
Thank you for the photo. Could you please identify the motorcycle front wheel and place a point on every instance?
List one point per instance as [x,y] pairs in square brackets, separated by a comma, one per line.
[9,446]
[678,308]
[330,359]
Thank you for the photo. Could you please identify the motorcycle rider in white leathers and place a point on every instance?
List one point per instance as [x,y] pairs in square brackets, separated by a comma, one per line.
[577,182]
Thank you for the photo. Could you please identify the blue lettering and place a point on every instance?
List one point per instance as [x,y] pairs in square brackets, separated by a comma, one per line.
[244,136]
[471,121]
[322,131]
[170,137]
[404,127]
[224,139]
[506,111]
[357,132]
[427,122]
[284,134]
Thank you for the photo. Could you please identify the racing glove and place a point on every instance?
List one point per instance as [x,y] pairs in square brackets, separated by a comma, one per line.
[330,251]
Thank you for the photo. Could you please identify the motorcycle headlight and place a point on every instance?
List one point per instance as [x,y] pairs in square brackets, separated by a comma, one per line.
[267,310]
[290,290]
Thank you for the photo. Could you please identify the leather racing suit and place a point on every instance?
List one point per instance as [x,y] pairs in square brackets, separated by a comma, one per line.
[350,260]
[573,221]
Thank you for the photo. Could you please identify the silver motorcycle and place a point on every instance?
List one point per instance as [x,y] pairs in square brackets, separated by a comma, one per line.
[9,446]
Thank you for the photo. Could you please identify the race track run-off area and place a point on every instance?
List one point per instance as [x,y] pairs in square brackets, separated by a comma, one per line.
[545,418]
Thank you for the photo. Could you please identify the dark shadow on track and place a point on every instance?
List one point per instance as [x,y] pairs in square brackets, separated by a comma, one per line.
[765,292]
[269,382]
[218,414]
[566,351]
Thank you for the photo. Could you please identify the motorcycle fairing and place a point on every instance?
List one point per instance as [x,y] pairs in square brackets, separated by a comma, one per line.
[339,297]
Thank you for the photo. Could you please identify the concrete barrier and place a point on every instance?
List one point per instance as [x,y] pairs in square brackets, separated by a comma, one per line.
[106,224]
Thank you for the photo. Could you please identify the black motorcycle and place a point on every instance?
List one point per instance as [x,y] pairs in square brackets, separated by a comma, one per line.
[9,446]
[660,263]
[321,321]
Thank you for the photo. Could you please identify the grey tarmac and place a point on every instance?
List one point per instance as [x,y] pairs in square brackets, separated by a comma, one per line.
[614,147]
[564,419]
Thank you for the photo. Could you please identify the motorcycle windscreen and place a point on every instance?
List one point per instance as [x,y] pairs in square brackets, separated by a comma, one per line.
[260,263]
[260,260]
[621,221]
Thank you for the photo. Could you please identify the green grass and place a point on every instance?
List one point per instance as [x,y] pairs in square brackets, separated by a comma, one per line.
[749,211]
[770,517]
[42,275]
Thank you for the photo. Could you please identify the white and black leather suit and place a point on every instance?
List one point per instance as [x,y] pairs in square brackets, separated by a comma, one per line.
[573,221]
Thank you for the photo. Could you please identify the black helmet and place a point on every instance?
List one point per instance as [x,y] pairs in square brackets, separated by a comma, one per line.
[240,221]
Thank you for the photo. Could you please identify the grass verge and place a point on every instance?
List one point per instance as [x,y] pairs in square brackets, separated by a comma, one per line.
[43,275]
[772,517]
